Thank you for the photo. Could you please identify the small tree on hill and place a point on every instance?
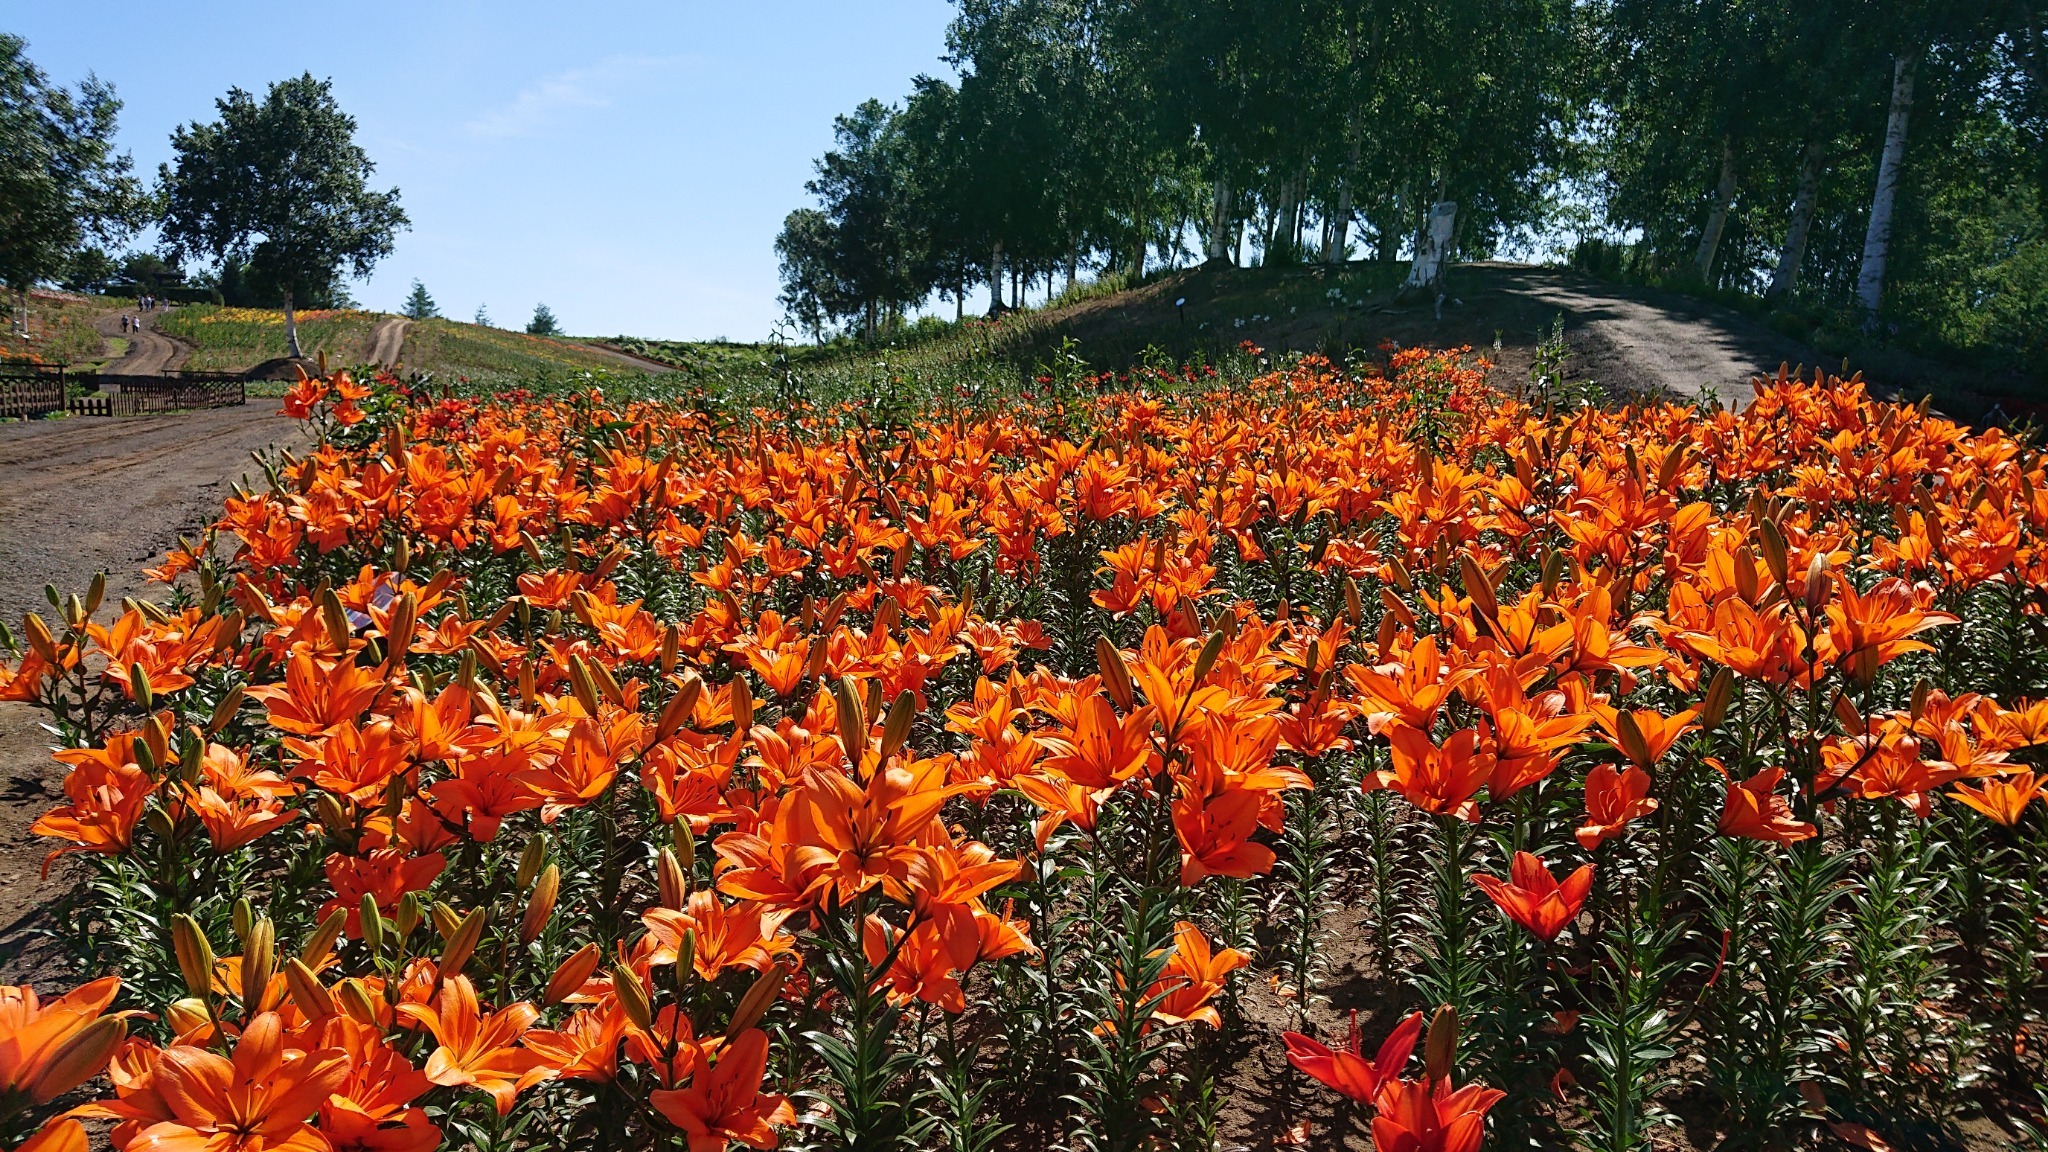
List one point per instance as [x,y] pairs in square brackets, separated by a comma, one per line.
[62,185]
[419,305]
[543,322]
[282,185]
[483,316]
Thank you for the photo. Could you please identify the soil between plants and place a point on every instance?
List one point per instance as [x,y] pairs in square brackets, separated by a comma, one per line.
[80,495]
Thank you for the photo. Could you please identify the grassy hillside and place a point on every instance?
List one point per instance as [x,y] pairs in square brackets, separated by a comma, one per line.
[453,348]
[232,339]
[60,328]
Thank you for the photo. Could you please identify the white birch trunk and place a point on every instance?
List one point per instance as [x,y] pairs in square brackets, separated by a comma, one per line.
[291,331]
[1878,238]
[1221,232]
[1786,276]
[1717,220]
[1282,240]
[1338,247]
[1433,246]
[995,280]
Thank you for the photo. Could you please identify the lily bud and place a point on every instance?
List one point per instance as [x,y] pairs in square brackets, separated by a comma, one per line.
[195,955]
[353,998]
[1478,587]
[896,730]
[1773,542]
[187,1014]
[259,959]
[1553,572]
[741,697]
[224,712]
[632,998]
[320,944]
[671,643]
[1116,675]
[583,685]
[306,990]
[531,858]
[676,712]
[754,1004]
[412,908]
[1817,582]
[446,920]
[334,819]
[1441,1048]
[138,686]
[853,726]
[573,973]
[1207,660]
[39,639]
[462,944]
[1354,605]
[372,924]
[78,1059]
[243,917]
[1715,707]
[673,882]
[686,952]
[95,592]
[335,618]
[540,905]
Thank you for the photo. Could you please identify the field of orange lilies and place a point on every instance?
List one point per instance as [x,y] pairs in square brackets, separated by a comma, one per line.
[573,771]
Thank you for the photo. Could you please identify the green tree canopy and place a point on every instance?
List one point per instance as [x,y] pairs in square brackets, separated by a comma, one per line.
[419,305]
[63,187]
[281,185]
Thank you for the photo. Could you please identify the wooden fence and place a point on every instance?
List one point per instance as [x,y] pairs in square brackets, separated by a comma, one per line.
[144,395]
[29,391]
[29,396]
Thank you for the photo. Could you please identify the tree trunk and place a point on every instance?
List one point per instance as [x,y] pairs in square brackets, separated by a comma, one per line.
[995,280]
[1222,232]
[1717,220]
[1878,238]
[1280,242]
[1786,277]
[1433,246]
[291,330]
[1337,247]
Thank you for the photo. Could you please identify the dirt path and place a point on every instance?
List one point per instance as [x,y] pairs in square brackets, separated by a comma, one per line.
[387,340]
[637,363]
[1678,344]
[149,351]
[79,496]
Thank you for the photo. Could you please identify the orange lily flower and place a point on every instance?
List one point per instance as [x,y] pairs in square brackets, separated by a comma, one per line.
[316,696]
[1429,1116]
[1436,779]
[724,1103]
[476,1050]
[1192,978]
[2004,799]
[586,1047]
[1535,899]
[1645,734]
[262,1098]
[1755,811]
[1612,800]
[1346,1069]
[45,1050]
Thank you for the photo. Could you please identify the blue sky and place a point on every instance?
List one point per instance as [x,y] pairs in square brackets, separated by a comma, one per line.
[627,163]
